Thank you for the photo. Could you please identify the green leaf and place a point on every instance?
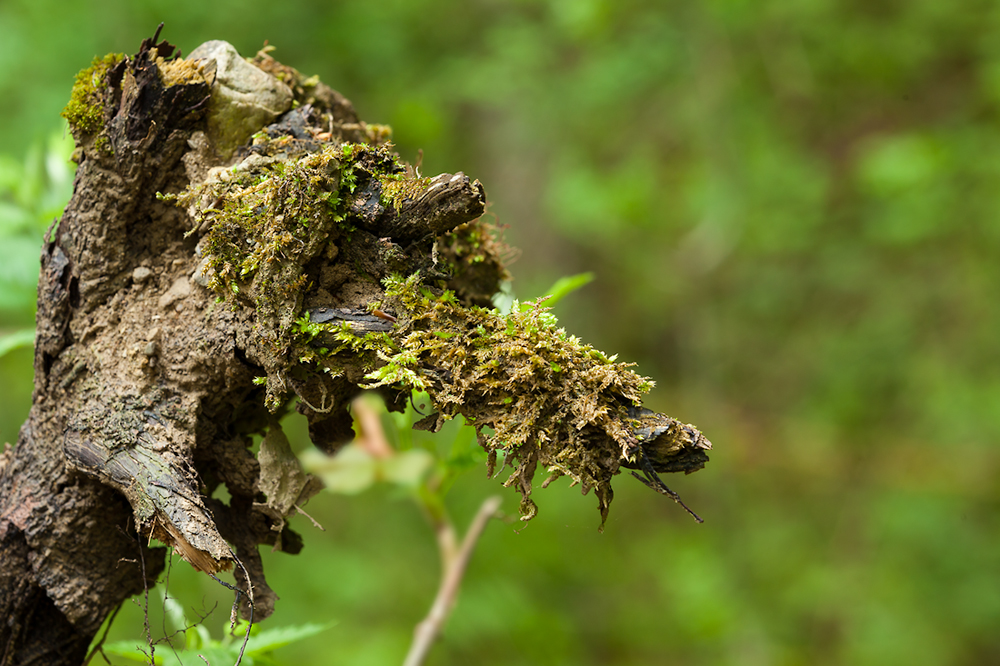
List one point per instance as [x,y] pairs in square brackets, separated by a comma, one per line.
[565,286]
[272,639]
[561,288]
[211,654]
[200,646]
[129,650]
[350,472]
[17,340]
[407,468]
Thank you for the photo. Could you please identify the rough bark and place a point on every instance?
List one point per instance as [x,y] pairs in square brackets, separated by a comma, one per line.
[172,328]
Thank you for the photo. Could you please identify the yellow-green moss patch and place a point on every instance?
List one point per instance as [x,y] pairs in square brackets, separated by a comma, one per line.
[548,398]
[85,109]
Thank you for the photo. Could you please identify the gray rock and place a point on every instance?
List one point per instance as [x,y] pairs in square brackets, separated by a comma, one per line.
[141,274]
[179,290]
[244,98]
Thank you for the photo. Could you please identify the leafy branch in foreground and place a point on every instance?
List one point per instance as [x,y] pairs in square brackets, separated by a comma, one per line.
[191,644]
[426,477]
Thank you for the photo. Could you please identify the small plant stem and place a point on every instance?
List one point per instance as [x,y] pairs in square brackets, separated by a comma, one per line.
[454,563]
[447,540]
[372,435]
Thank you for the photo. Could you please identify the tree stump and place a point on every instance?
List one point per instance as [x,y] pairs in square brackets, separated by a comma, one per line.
[239,243]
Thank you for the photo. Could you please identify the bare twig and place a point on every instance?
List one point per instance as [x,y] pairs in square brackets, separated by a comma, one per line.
[454,556]
[371,435]
[236,601]
[315,524]
[99,647]
[454,564]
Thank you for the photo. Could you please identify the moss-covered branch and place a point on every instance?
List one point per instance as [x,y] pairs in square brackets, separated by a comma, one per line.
[292,214]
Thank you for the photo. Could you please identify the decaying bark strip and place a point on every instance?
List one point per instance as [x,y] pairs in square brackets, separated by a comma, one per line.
[238,243]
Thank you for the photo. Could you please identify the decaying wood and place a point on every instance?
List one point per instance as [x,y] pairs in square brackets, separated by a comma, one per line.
[148,386]
[445,202]
[144,401]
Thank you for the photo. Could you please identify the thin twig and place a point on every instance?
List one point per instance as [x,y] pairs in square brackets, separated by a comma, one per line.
[246,638]
[100,644]
[372,434]
[451,577]
[315,524]
[145,592]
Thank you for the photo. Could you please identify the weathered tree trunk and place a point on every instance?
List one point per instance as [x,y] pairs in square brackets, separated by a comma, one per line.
[231,245]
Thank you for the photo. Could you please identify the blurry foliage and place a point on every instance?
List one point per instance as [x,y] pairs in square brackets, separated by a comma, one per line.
[189,643]
[359,465]
[792,211]
[33,191]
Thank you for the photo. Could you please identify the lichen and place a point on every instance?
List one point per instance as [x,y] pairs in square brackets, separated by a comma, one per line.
[85,109]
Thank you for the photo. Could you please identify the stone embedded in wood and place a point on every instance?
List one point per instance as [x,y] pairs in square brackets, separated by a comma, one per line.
[244,97]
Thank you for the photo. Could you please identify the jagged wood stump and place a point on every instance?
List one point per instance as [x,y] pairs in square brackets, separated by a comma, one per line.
[239,242]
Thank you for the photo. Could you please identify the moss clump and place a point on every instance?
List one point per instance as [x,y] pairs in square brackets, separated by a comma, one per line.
[398,188]
[266,220]
[272,225]
[271,217]
[476,257]
[547,398]
[85,109]
[179,71]
[337,303]
[267,223]
[530,390]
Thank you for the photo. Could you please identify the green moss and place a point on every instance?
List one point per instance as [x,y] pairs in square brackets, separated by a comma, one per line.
[266,222]
[475,256]
[548,398]
[533,392]
[85,110]
[397,188]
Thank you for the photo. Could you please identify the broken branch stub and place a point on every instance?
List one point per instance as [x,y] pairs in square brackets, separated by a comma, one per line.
[238,242]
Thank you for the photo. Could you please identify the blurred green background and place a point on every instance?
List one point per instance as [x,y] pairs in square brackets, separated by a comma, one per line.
[793,211]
